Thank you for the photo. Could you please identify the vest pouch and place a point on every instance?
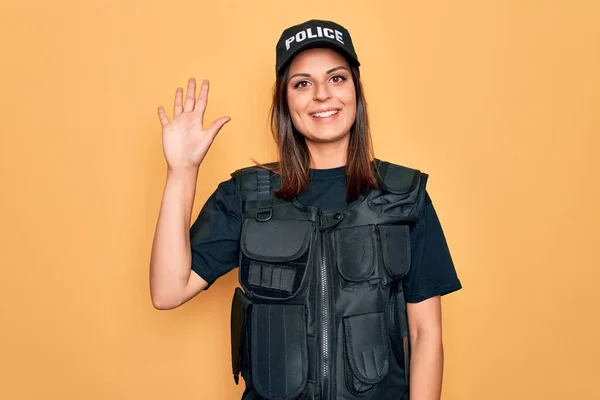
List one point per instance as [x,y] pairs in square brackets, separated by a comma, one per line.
[279,350]
[273,257]
[366,352]
[395,246]
[239,312]
[355,256]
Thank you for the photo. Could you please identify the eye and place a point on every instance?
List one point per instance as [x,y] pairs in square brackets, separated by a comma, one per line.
[301,84]
[338,78]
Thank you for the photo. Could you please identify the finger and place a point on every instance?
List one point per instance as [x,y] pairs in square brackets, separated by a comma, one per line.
[190,95]
[162,116]
[202,100]
[216,126]
[178,108]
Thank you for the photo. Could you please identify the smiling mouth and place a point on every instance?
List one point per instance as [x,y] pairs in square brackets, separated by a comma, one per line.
[325,114]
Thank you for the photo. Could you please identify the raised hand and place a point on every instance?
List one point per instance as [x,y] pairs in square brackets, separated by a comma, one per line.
[185,140]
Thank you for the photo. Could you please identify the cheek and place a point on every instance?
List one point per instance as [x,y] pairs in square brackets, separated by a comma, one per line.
[295,107]
[350,103]
[298,100]
[297,104]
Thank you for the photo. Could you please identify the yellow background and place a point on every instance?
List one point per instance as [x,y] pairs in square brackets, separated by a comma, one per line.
[499,101]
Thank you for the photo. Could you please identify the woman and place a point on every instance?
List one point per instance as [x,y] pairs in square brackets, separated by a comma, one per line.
[342,259]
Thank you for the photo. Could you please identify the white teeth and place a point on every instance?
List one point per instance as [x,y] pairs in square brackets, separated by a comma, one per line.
[325,114]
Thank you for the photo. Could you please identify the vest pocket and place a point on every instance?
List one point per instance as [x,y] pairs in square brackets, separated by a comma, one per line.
[273,256]
[279,350]
[355,252]
[366,352]
[239,312]
[395,243]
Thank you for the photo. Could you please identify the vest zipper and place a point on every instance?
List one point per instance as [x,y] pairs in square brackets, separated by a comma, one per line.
[325,331]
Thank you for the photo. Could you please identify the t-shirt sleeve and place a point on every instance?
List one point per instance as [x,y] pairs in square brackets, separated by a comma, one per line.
[432,272]
[215,234]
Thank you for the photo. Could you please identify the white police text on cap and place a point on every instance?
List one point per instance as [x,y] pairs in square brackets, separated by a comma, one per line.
[321,32]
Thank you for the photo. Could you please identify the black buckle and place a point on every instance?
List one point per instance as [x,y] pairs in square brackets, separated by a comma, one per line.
[263,214]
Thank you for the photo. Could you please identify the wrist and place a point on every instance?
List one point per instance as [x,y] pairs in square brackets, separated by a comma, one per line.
[182,171]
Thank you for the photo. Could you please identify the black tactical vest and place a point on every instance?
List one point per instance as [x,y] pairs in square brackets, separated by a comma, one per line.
[320,313]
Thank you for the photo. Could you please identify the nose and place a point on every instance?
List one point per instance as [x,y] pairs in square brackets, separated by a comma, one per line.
[322,92]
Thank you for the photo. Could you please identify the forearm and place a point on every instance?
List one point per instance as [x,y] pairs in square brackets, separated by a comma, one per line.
[171,256]
[426,366]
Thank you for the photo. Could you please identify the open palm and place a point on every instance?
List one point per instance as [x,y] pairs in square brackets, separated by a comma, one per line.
[185,140]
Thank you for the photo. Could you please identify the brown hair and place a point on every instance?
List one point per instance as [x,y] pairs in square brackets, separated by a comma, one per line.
[294,157]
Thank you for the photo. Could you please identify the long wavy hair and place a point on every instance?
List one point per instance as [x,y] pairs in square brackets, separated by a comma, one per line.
[294,156]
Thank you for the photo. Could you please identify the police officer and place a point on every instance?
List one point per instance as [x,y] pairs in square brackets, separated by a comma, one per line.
[342,260]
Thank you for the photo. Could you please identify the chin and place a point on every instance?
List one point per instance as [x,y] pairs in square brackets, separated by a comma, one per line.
[326,137]
[327,134]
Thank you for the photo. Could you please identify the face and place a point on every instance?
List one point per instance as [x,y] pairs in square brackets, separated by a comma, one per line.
[321,95]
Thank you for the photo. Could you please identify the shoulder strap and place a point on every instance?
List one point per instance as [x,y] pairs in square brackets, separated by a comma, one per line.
[255,186]
[399,179]
[402,180]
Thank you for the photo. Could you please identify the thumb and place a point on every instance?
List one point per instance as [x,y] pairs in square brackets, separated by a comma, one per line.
[216,126]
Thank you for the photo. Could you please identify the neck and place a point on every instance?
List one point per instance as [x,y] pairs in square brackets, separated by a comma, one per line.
[328,155]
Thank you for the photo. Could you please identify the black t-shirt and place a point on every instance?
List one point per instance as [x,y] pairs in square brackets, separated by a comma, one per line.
[215,236]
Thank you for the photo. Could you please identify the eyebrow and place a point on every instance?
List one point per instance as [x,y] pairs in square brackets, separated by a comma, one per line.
[328,72]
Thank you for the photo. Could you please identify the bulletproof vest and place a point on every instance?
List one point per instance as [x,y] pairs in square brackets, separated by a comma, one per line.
[320,313]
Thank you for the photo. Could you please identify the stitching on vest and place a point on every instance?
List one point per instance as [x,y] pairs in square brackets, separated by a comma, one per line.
[269,352]
[285,355]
